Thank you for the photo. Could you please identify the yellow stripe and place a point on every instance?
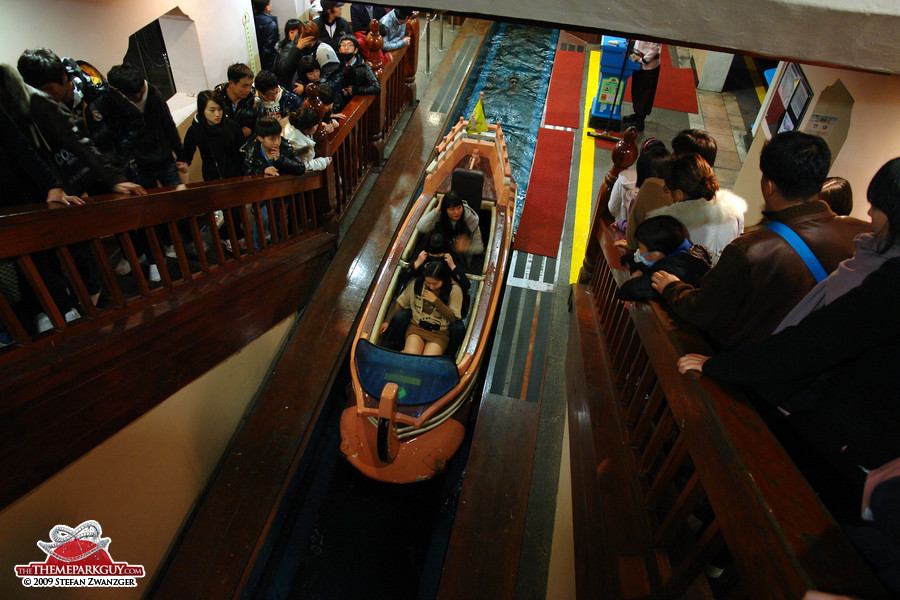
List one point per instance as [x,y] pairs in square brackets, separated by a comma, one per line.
[585,195]
[757,80]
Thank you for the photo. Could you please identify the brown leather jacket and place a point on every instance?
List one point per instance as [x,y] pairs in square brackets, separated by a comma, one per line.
[760,278]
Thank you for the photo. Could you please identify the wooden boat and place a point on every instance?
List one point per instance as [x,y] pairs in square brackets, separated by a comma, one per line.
[406,414]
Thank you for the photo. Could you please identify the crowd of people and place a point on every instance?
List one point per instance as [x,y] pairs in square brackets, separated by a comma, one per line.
[801,308]
[72,133]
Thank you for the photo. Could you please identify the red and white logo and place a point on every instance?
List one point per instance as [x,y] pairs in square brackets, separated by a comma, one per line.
[78,558]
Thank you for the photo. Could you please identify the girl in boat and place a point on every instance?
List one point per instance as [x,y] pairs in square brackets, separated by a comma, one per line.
[457,222]
[435,300]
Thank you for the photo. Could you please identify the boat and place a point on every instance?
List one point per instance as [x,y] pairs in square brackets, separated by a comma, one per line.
[406,415]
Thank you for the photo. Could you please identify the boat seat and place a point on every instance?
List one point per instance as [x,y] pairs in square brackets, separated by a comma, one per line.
[469,184]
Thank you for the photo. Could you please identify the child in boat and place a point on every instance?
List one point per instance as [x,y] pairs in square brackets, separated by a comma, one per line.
[435,300]
[457,222]
[663,245]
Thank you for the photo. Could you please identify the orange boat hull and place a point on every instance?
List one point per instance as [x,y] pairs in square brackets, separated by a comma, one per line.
[419,458]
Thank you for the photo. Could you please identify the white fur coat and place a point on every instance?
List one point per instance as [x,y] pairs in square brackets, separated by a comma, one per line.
[710,223]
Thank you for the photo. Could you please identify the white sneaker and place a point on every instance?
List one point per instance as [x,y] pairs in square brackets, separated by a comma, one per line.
[42,322]
[72,315]
[153,275]
[124,267]
[170,251]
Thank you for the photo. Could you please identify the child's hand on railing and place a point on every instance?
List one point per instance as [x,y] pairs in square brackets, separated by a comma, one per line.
[692,362]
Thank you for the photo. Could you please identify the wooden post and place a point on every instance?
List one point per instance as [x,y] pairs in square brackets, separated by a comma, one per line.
[374,44]
[411,58]
[623,156]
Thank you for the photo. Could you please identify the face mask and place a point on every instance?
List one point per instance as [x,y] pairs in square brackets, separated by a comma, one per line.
[641,258]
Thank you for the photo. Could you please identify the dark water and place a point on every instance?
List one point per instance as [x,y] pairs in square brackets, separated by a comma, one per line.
[513,71]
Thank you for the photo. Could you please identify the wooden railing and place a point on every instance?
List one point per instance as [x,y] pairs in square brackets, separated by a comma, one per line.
[674,472]
[205,307]
[358,144]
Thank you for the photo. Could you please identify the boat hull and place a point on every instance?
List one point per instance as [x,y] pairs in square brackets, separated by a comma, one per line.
[418,458]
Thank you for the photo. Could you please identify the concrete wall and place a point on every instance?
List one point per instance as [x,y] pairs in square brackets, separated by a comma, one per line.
[140,484]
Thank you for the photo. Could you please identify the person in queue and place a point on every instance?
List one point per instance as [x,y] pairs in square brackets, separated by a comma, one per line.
[652,194]
[831,368]
[760,277]
[275,101]
[435,301]
[713,216]
[663,244]
[307,43]
[357,78]
[241,103]
[299,131]
[457,222]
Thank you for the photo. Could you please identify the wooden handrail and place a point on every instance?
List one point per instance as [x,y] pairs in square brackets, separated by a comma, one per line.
[73,373]
[686,466]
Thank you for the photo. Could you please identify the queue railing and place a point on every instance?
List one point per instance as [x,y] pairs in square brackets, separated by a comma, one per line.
[142,340]
[357,145]
[675,476]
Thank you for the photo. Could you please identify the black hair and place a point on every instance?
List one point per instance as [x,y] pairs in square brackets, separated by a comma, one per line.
[403,13]
[203,98]
[447,226]
[651,163]
[838,195]
[126,78]
[436,243]
[438,269]
[265,81]
[661,234]
[307,65]
[691,174]
[267,126]
[239,71]
[884,194]
[289,26]
[695,141]
[40,66]
[326,94]
[350,38]
[797,163]
[304,118]
[259,6]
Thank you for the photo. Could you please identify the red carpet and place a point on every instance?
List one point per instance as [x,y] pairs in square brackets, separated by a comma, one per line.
[665,58]
[676,90]
[540,228]
[564,95]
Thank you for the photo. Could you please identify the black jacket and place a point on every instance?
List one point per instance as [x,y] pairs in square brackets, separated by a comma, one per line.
[75,160]
[835,372]
[289,56]
[689,266]
[359,16]
[266,38]
[342,28]
[220,148]
[27,177]
[360,77]
[107,117]
[158,139]
[247,111]
[255,162]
